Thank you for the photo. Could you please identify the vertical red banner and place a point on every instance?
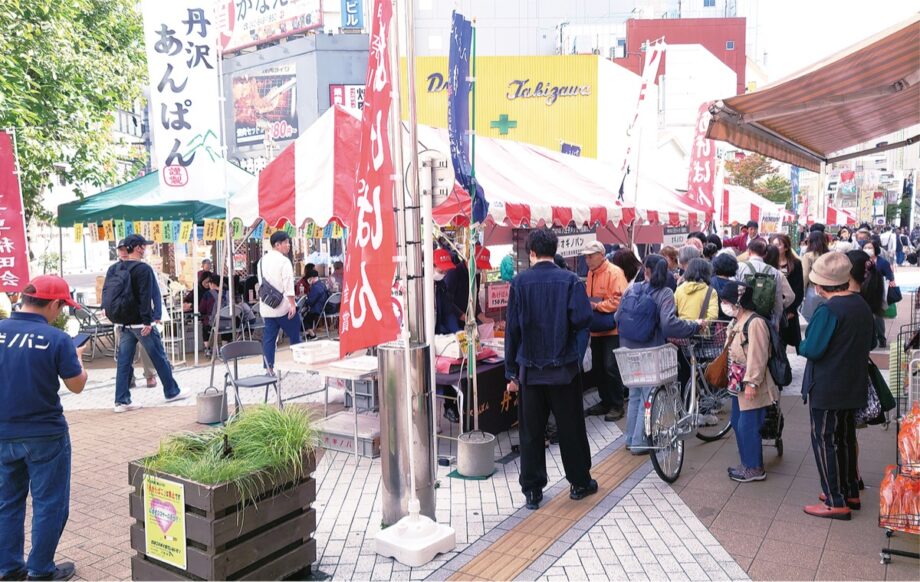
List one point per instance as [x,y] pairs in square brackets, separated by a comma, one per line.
[702,176]
[367,314]
[14,258]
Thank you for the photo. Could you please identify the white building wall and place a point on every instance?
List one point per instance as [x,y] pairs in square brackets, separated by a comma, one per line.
[694,75]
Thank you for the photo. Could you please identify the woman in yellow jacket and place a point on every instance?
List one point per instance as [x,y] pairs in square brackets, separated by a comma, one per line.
[693,291]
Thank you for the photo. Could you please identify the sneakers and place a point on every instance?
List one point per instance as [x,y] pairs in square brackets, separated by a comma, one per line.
[581,491]
[613,415]
[64,571]
[822,510]
[127,407]
[852,502]
[746,475]
[533,499]
[598,409]
[182,395]
[15,575]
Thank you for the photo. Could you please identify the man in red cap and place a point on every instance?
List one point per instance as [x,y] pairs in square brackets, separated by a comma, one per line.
[34,440]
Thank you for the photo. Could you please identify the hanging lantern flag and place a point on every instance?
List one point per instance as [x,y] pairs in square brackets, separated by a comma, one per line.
[78,233]
[258,231]
[120,229]
[221,229]
[129,228]
[175,227]
[367,318]
[210,229]
[156,231]
[458,112]
[327,231]
[290,229]
[168,232]
[147,229]
[91,233]
[308,230]
[185,231]
[236,229]
[108,230]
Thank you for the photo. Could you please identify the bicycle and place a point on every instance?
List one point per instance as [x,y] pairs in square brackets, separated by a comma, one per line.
[671,415]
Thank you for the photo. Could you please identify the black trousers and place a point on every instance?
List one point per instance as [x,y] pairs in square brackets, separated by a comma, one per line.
[833,439]
[565,402]
[605,371]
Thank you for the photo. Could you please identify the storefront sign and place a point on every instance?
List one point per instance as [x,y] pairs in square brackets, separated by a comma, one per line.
[14,258]
[164,520]
[525,89]
[352,14]
[350,96]
[265,101]
[497,295]
[245,23]
[367,318]
[675,236]
[181,43]
[702,177]
[574,240]
[571,149]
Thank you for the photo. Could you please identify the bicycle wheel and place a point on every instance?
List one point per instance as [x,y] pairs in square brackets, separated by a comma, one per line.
[715,411]
[668,450]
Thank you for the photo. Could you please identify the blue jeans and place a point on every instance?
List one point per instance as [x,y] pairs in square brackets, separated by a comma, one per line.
[747,424]
[42,463]
[635,418]
[273,325]
[152,343]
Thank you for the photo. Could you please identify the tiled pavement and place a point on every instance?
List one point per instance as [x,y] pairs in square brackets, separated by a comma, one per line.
[711,528]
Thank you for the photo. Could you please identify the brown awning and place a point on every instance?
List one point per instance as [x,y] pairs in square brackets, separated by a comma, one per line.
[867,91]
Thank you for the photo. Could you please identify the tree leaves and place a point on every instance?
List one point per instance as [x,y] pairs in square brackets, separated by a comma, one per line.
[65,67]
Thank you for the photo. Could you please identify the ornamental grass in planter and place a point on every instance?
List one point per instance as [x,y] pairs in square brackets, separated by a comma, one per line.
[247,492]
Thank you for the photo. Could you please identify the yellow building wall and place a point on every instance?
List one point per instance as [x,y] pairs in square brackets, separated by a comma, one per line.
[553,99]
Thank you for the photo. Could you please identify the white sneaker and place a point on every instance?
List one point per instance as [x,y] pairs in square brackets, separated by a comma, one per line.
[182,395]
[127,407]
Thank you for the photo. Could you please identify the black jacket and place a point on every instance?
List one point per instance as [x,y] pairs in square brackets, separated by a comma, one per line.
[142,281]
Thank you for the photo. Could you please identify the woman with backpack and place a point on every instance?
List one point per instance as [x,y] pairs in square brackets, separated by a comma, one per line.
[749,380]
[647,316]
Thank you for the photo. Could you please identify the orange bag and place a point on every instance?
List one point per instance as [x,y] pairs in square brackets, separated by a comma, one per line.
[909,442]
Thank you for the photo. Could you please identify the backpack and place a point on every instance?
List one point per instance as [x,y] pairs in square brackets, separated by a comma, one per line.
[778,363]
[118,300]
[638,314]
[764,285]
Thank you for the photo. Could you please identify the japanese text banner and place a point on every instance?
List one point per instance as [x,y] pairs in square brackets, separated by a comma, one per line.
[702,177]
[14,260]
[181,39]
[367,316]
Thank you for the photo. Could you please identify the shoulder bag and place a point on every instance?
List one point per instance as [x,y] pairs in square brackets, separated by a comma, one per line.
[716,373]
[267,292]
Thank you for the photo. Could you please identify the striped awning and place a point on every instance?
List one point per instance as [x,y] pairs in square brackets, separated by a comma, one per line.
[866,91]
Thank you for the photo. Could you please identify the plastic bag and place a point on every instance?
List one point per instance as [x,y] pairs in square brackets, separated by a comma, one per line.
[909,442]
[886,494]
[586,361]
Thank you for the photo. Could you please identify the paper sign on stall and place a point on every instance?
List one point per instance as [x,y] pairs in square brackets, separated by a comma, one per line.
[78,233]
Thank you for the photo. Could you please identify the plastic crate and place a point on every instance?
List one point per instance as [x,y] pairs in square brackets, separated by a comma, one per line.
[647,366]
[315,352]
[365,394]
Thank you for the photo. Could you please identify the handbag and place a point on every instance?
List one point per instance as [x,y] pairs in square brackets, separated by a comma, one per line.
[716,373]
[894,295]
[870,413]
[601,322]
[267,292]
[811,302]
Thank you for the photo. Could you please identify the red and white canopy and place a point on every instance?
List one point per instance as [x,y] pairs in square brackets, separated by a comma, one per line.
[836,216]
[313,179]
[740,205]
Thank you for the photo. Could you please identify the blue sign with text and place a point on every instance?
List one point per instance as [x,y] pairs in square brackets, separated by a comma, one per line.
[352,15]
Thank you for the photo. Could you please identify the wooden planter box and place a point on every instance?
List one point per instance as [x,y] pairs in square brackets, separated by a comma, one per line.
[226,540]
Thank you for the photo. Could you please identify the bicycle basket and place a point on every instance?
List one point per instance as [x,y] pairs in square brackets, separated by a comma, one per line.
[647,366]
[707,344]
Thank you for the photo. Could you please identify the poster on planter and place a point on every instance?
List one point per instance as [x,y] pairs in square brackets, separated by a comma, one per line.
[265,101]
[367,317]
[164,521]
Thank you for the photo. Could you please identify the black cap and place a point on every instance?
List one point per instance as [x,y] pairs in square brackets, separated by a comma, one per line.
[278,237]
[752,224]
[120,244]
[135,240]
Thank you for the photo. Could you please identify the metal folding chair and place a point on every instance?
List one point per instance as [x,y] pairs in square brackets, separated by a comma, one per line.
[233,353]
[99,333]
[331,312]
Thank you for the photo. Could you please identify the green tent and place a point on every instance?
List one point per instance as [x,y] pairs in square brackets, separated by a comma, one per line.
[141,199]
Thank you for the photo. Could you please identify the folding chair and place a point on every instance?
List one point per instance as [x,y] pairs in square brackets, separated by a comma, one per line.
[235,351]
[331,312]
[99,333]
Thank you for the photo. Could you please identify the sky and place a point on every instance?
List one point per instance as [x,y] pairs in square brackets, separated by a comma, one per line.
[797,33]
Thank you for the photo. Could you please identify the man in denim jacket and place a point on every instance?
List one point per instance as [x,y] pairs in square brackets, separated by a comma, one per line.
[548,313]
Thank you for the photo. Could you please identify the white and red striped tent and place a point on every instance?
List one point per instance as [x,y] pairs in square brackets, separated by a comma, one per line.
[740,205]
[835,216]
[313,179]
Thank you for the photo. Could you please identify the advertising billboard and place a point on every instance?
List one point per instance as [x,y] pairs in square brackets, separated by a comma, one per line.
[245,23]
[265,100]
[350,96]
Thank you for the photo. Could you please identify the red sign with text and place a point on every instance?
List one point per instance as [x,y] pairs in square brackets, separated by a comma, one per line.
[702,176]
[14,258]
[367,316]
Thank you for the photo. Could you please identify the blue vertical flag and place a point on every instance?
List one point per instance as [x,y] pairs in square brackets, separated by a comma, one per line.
[794,179]
[458,111]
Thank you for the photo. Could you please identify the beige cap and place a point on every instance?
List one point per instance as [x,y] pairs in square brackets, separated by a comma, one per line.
[593,247]
[831,269]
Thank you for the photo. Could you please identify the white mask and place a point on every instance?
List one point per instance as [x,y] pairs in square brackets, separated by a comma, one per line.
[439,276]
[729,309]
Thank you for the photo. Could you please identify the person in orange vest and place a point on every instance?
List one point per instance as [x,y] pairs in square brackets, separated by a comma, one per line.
[605,286]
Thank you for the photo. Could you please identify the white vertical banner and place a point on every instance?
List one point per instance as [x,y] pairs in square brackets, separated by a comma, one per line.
[181,38]
[653,54]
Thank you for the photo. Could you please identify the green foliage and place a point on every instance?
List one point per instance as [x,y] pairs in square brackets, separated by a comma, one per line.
[64,69]
[263,442]
[749,170]
[775,188]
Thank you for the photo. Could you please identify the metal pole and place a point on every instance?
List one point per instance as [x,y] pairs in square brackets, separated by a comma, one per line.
[222,99]
[472,331]
[195,285]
